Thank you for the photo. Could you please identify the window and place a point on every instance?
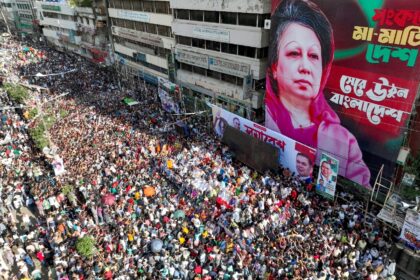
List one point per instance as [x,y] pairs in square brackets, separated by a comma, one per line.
[182,14]
[184,40]
[239,81]
[262,53]
[228,78]
[196,15]
[148,6]
[262,18]
[162,7]
[186,67]
[198,43]
[247,19]
[246,51]
[129,24]
[121,22]
[126,4]
[199,70]
[140,26]
[164,30]
[229,48]
[211,16]
[212,45]
[228,18]
[118,4]
[137,5]
[260,84]
[213,74]
[150,28]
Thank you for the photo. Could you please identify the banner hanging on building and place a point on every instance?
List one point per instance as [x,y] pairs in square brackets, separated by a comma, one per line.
[410,231]
[327,176]
[168,103]
[298,158]
[342,77]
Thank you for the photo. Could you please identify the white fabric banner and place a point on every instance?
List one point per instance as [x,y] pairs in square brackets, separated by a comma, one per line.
[293,155]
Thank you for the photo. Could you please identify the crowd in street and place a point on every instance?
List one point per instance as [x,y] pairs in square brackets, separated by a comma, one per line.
[159,205]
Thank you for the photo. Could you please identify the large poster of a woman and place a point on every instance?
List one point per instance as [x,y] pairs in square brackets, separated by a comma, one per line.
[307,96]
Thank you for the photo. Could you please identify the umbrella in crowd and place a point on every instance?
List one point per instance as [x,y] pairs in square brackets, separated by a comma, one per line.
[108,199]
[179,214]
[156,245]
[149,191]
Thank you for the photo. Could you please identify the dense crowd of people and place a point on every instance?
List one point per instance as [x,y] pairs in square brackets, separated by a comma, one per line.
[159,205]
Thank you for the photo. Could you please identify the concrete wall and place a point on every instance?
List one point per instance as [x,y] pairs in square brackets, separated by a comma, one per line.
[213,85]
[257,66]
[240,6]
[235,34]
[59,23]
[160,19]
[64,8]
[152,59]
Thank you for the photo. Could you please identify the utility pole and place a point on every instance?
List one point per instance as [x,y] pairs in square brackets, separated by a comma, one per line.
[5,20]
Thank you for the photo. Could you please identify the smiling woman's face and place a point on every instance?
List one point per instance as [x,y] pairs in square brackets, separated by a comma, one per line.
[299,68]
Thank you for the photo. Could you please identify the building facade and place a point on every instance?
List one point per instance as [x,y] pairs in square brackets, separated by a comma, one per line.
[9,14]
[92,25]
[142,39]
[81,28]
[25,21]
[221,51]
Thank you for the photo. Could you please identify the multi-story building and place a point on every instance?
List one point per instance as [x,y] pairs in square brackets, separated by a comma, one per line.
[91,23]
[142,38]
[79,28]
[9,14]
[25,16]
[221,51]
[58,23]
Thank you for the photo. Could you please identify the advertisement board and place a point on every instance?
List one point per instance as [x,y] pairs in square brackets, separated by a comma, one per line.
[298,158]
[342,77]
[327,176]
[410,231]
[137,36]
[168,103]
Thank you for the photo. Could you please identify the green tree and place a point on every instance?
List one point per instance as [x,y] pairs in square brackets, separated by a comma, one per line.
[85,246]
[17,93]
[81,3]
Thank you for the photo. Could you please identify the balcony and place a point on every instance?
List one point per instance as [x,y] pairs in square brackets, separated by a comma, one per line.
[84,10]
[226,33]
[222,62]
[54,7]
[86,28]
[161,19]
[67,24]
[236,6]
[209,85]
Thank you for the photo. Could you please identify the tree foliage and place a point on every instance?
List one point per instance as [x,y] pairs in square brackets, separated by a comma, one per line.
[81,3]
[85,246]
[17,93]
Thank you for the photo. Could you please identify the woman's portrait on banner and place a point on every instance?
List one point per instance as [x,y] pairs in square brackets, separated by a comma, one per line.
[299,64]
